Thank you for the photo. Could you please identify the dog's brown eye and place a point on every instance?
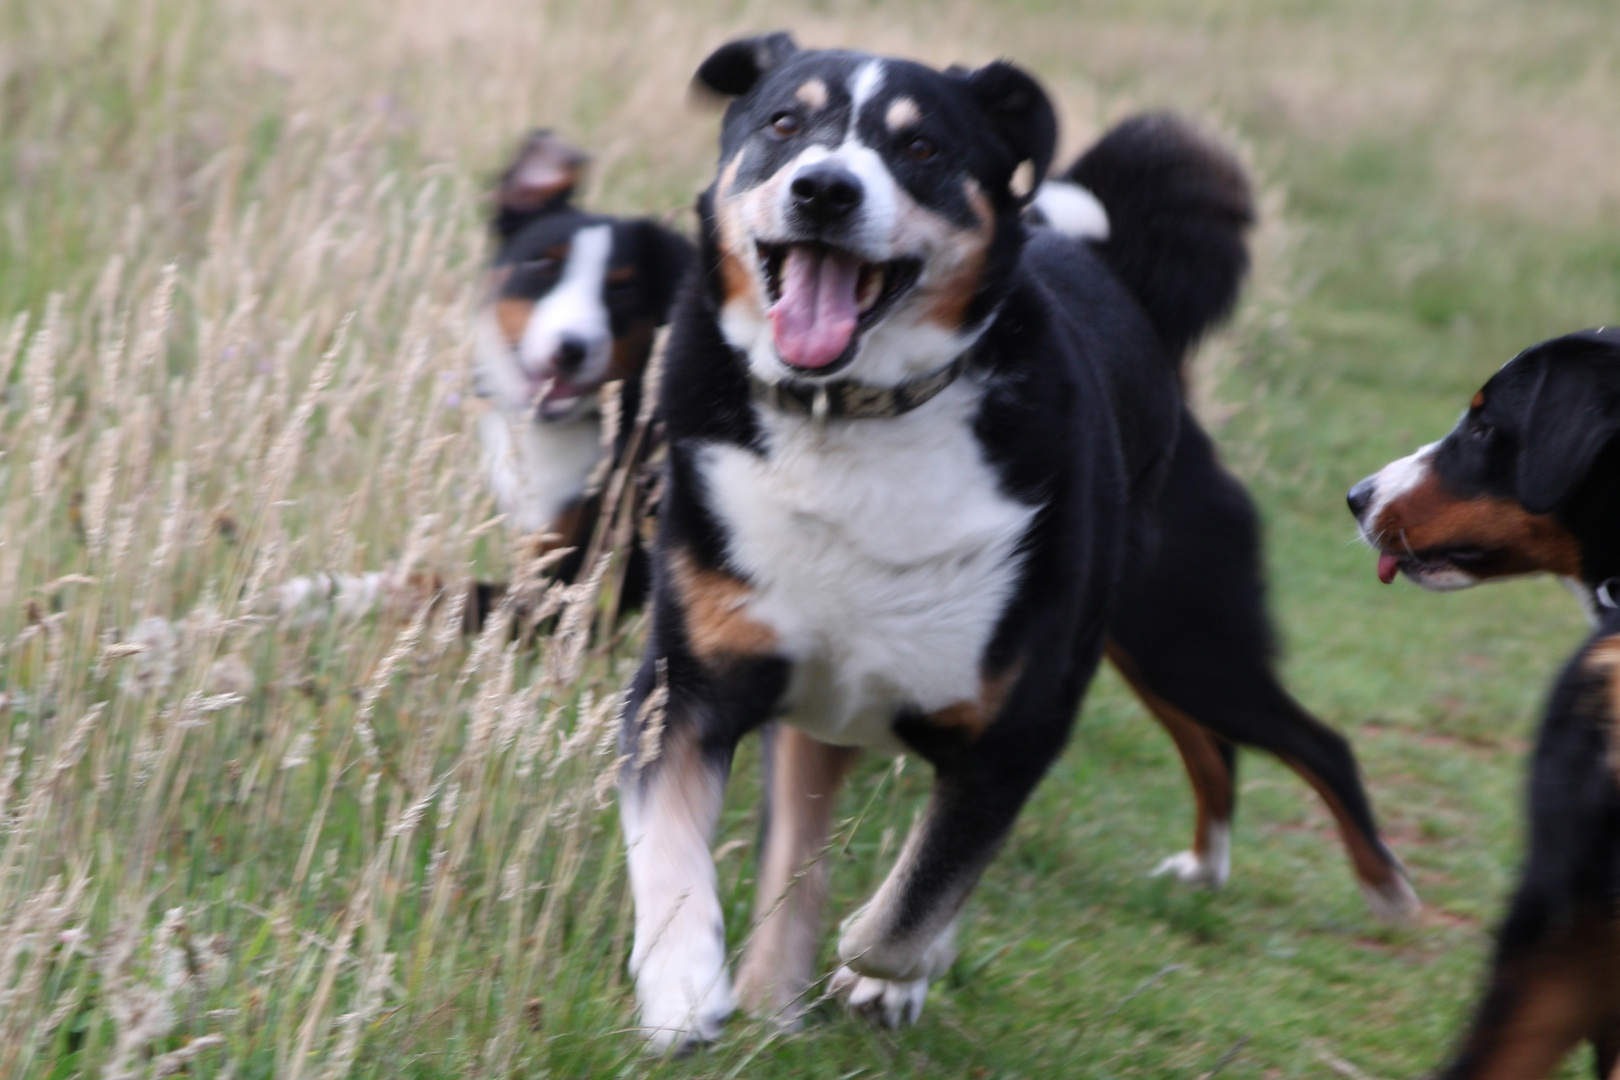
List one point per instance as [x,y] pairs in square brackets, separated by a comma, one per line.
[785,124]
[921,149]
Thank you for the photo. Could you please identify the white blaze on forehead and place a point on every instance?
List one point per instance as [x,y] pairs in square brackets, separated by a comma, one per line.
[864,86]
[573,308]
[903,112]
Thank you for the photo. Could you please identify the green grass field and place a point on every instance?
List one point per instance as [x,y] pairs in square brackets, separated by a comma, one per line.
[239,246]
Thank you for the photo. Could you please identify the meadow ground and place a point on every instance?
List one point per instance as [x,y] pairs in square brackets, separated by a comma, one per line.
[238,248]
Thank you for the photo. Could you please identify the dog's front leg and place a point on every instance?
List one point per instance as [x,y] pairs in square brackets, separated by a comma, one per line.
[905,935]
[679,744]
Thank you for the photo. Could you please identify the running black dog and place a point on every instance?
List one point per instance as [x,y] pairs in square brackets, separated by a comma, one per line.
[1528,481]
[925,463]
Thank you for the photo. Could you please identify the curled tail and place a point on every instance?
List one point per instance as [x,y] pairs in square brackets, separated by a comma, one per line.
[1177,205]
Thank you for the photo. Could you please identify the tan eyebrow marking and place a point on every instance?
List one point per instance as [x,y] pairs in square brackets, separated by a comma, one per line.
[1479,399]
[903,112]
[813,92]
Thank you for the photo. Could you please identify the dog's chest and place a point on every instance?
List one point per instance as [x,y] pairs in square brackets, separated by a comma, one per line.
[537,470]
[882,554]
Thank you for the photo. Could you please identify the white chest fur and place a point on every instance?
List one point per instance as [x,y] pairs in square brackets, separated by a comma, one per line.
[882,554]
[537,469]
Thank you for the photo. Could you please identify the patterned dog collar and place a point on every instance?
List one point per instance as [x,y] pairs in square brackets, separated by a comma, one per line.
[846,399]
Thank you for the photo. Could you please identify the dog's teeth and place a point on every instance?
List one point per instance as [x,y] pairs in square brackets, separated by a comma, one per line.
[871,288]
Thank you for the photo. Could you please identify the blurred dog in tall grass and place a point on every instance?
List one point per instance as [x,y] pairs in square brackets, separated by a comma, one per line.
[563,339]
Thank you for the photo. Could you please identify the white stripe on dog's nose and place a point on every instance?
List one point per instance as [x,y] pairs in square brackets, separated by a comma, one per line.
[574,308]
[1395,480]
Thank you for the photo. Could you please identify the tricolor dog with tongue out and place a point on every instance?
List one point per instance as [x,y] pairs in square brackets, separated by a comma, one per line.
[926,457]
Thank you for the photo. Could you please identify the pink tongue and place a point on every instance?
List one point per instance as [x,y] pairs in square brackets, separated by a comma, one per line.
[1387,566]
[815,318]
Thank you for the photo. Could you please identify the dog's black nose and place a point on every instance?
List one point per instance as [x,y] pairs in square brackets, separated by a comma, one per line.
[823,194]
[570,355]
[1360,497]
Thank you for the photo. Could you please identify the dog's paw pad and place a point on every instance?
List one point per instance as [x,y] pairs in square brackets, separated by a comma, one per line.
[892,1004]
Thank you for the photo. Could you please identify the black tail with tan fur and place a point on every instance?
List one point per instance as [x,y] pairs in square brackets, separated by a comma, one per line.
[1178,206]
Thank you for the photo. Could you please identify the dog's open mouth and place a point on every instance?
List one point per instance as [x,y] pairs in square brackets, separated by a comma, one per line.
[1429,563]
[556,398]
[823,297]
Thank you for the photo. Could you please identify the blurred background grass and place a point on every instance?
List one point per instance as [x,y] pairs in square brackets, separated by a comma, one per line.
[239,244]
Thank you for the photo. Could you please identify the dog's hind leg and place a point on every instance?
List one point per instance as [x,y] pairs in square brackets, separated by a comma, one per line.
[1211,764]
[802,781]
[1192,637]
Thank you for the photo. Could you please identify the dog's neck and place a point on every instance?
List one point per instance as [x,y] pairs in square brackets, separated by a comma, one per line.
[1592,516]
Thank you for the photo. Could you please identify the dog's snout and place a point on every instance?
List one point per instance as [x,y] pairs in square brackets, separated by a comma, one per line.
[1360,497]
[824,194]
[571,353]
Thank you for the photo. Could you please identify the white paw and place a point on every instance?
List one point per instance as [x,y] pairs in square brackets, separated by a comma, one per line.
[1187,868]
[892,1004]
[1393,902]
[684,990]
[1210,870]
[679,1014]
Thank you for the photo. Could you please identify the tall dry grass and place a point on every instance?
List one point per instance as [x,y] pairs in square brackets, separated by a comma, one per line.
[233,842]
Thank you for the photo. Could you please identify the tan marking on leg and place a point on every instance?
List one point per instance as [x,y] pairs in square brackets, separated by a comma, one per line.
[512,317]
[1200,754]
[972,717]
[1368,862]
[717,623]
[903,112]
[780,961]
[813,94]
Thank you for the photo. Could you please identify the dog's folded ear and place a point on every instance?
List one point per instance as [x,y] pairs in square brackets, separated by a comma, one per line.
[1571,414]
[541,176]
[1020,114]
[733,69]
